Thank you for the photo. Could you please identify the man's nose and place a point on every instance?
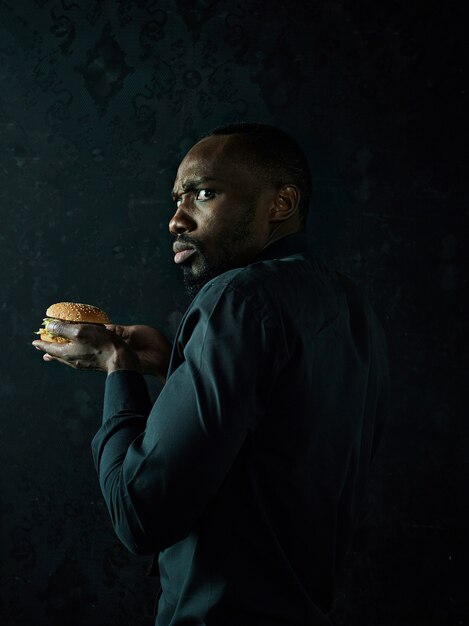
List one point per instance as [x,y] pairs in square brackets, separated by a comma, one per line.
[181,222]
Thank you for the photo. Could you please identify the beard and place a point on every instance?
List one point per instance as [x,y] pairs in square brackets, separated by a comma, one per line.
[193,283]
[229,249]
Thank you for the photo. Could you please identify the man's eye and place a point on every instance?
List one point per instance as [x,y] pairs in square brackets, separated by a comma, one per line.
[204,194]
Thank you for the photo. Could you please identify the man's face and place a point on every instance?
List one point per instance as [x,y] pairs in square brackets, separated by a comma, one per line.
[222,207]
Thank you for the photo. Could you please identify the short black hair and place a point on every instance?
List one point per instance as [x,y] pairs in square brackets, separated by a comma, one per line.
[277,155]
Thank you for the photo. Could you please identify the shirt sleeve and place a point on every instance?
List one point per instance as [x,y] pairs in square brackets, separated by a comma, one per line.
[159,474]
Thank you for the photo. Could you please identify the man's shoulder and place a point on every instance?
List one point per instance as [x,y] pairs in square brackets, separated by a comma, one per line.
[257,279]
[244,289]
[248,277]
[239,298]
[273,286]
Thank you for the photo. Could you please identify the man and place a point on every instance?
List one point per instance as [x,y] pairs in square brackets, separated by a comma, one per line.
[245,475]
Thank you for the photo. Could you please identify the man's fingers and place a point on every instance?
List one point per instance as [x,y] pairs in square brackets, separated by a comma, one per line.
[61,329]
[49,358]
[54,349]
[118,329]
[91,346]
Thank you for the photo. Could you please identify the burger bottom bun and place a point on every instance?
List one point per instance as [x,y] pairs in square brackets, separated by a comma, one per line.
[51,339]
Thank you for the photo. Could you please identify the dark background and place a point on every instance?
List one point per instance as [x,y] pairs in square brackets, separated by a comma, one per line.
[98,103]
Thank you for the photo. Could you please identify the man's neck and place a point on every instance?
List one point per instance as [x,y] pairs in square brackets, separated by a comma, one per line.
[280,230]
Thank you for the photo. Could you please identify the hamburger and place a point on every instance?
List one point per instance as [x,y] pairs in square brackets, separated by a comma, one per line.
[73,312]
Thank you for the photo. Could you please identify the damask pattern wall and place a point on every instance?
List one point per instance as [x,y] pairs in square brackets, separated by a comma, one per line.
[99,101]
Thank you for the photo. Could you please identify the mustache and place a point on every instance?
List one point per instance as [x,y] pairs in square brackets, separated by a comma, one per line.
[195,243]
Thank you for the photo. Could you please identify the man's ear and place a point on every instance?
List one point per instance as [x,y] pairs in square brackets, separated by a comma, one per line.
[285,204]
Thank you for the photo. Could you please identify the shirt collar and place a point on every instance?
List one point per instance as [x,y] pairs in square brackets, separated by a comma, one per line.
[286,246]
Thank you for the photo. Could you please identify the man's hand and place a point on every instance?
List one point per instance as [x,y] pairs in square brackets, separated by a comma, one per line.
[149,344]
[91,347]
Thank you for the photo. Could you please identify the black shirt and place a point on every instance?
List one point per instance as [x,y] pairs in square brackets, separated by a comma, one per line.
[246,473]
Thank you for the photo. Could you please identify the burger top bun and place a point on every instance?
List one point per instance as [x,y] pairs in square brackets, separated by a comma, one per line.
[78,312]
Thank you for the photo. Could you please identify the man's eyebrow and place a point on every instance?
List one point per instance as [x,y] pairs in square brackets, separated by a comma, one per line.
[192,183]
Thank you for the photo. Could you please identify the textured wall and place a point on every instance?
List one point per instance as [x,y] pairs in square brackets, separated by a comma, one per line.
[98,103]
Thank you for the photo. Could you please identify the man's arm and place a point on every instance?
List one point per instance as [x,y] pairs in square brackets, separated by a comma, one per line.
[159,475]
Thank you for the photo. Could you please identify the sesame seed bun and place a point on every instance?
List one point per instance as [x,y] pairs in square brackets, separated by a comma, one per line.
[77,312]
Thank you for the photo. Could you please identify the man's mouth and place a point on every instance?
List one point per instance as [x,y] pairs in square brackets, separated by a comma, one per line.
[182,256]
[182,252]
